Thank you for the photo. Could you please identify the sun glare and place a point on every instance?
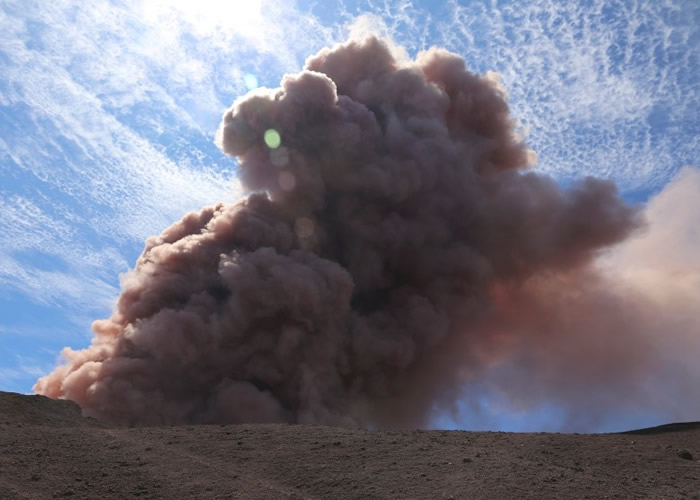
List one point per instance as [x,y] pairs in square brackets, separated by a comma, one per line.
[239,17]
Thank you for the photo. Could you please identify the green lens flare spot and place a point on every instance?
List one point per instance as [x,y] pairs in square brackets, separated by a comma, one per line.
[272,138]
[251,82]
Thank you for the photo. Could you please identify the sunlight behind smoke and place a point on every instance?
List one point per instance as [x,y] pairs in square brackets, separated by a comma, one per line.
[207,17]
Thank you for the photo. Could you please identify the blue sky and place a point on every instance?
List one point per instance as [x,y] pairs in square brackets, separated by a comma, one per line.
[108,112]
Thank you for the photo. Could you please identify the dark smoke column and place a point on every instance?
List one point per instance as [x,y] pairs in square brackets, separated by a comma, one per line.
[364,280]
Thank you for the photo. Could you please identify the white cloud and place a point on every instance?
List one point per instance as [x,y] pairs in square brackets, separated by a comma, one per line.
[41,257]
[84,170]
[22,367]
[593,81]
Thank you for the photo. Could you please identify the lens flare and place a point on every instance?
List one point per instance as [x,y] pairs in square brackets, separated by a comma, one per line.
[304,227]
[251,81]
[287,181]
[279,157]
[272,138]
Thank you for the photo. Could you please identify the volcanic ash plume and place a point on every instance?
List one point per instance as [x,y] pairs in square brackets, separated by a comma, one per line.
[394,248]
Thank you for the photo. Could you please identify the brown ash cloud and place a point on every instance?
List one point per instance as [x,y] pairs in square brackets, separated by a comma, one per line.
[393,248]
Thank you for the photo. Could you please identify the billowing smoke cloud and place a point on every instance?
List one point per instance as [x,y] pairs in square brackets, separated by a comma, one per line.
[619,337]
[394,248]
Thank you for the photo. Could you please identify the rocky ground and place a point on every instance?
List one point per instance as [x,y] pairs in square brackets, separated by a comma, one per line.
[48,450]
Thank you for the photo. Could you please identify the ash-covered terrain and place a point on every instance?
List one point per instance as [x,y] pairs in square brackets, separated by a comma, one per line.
[48,450]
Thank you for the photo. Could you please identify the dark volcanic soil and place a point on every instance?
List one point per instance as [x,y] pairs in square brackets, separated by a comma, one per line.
[47,450]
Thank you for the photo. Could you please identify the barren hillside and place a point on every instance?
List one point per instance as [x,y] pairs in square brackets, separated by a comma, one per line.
[48,450]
